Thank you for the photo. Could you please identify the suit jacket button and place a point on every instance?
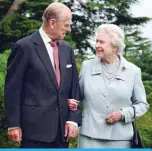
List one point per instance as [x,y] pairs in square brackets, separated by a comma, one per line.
[56,109]
[105,95]
[107,106]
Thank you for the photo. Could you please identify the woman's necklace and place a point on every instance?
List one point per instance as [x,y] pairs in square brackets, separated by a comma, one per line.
[106,69]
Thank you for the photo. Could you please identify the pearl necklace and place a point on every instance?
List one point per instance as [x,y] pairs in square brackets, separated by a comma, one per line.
[107,74]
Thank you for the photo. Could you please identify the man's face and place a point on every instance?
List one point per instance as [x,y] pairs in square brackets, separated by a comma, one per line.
[62,26]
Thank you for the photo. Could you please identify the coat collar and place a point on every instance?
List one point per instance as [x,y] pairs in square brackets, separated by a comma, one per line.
[63,63]
[43,55]
[96,68]
[120,75]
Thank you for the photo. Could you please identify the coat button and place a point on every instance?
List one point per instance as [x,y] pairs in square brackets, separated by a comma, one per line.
[105,95]
[56,109]
[107,106]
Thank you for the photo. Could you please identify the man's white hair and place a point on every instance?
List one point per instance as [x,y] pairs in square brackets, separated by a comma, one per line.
[54,11]
[116,34]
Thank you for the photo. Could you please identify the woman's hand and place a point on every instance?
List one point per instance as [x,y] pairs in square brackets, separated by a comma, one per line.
[114,117]
[73,104]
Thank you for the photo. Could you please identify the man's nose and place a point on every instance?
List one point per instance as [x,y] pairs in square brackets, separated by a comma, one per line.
[69,29]
[97,45]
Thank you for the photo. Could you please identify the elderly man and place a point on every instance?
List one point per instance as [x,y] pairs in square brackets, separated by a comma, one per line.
[41,78]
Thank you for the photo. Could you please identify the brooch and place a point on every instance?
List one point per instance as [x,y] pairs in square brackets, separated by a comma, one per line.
[123,69]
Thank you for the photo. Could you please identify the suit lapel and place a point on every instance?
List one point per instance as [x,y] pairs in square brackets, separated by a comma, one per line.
[62,61]
[96,69]
[44,57]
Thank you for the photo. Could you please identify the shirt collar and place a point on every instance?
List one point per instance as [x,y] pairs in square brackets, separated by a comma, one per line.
[44,36]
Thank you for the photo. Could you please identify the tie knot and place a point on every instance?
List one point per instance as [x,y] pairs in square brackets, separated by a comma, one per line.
[53,43]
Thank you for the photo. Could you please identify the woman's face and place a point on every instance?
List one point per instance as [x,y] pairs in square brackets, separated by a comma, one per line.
[104,48]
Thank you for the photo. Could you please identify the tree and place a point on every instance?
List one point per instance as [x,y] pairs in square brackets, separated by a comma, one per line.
[4,140]
[143,59]
[85,19]
[12,9]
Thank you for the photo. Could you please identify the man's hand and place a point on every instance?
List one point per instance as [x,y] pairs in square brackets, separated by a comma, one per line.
[15,134]
[71,131]
[114,117]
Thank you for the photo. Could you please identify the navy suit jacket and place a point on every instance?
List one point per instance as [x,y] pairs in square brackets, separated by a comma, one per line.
[33,100]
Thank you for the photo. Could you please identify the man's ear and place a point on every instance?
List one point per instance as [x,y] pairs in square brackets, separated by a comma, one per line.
[52,23]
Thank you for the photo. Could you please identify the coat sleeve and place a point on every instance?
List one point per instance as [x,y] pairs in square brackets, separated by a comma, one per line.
[75,116]
[138,100]
[14,84]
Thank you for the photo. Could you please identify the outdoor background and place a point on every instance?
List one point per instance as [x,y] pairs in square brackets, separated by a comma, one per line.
[19,18]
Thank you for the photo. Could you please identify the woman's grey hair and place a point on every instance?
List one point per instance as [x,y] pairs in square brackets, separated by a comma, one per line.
[116,34]
[54,11]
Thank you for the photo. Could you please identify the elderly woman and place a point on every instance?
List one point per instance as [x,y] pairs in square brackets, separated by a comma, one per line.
[110,86]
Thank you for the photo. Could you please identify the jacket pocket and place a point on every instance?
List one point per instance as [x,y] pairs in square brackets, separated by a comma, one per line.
[30,102]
